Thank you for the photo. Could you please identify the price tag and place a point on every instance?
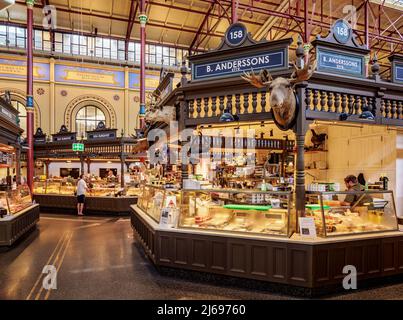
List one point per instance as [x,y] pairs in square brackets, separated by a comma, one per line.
[307,227]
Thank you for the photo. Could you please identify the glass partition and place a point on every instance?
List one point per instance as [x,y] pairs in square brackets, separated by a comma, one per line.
[347,213]
[245,211]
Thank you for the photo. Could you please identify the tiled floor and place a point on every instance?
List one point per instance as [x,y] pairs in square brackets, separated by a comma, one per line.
[97,258]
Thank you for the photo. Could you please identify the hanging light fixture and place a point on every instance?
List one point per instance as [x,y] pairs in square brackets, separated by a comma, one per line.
[227,116]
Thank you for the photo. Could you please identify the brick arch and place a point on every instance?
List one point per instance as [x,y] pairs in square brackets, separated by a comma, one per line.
[20,96]
[79,102]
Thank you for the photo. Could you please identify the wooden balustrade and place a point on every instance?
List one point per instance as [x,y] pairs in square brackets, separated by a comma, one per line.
[239,103]
[338,102]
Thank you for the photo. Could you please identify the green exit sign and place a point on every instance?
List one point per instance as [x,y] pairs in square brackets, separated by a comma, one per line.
[78,147]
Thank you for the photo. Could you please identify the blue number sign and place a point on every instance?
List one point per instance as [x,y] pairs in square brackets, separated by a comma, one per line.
[236,34]
[341,31]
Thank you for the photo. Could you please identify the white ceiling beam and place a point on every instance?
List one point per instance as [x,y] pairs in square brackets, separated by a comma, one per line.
[264,29]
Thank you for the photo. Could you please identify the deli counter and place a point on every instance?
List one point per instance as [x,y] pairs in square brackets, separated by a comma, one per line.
[58,196]
[255,234]
[18,214]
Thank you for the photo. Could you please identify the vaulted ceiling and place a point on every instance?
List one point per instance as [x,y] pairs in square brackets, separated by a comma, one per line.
[201,23]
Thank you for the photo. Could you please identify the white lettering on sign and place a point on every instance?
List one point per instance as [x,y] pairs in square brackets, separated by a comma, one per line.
[237,64]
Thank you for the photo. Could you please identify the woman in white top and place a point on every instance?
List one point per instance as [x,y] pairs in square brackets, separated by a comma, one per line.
[81,190]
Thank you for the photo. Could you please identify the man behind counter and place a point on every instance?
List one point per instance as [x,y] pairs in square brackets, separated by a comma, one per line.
[352,186]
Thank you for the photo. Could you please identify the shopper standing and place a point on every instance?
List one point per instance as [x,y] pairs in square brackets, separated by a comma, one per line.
[81,190]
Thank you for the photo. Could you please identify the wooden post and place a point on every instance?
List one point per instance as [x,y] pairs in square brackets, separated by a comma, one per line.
[300,130]
[88,165]
[122,170]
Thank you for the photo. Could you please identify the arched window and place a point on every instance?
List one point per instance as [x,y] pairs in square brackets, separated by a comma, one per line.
[22,116]
[88,118]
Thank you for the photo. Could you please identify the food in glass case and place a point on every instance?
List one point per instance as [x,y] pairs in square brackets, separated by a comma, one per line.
[153,200]
[40,187]
[375,215]
[19,199]
[228,211]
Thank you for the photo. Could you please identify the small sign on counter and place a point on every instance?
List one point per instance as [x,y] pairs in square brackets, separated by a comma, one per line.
[307,227]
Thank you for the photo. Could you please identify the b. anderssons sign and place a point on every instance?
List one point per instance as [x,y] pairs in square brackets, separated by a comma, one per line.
[237,65]
[239,53]
[338,62]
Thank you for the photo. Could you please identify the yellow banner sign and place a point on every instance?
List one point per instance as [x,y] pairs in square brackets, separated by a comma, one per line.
[73,75]
[19,70]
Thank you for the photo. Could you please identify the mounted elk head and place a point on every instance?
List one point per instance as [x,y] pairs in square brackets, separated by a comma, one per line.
[282,96]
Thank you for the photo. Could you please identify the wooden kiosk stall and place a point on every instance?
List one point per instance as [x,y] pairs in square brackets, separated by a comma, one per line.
[295,239]
[108,195]
[18,215]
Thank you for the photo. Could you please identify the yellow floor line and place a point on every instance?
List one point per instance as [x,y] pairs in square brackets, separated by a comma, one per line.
[47,263]
[54,263]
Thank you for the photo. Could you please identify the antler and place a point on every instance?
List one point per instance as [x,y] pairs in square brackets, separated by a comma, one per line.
[303,74]
[261,80]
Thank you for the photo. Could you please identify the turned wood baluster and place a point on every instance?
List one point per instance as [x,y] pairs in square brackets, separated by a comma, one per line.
[315,99]
[205,108]
[238,104]
[387,108]
[263,101]
[214,106]
[221,105]
[344,103]
[229,103]
[337,103]
[357,104]
[254,102]
[330,96]
[198,107]
[322,100]
[191,108]
[400,109]
[371,104]
[382,108]
[308,98]
[394,109]
[350,105]
[246,103]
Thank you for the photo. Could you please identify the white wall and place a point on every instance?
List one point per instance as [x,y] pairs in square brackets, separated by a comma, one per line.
[370,150]
[54,167]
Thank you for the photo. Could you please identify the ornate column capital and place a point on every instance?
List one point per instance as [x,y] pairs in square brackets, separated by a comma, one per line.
[30,4]
[143,19]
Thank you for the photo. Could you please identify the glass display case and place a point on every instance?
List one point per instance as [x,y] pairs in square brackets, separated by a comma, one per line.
[154,199]
[40,187]
[67,188]
[133,191]
[103,189]
[98,188]
[245,211]
[351,213]
[14,201]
